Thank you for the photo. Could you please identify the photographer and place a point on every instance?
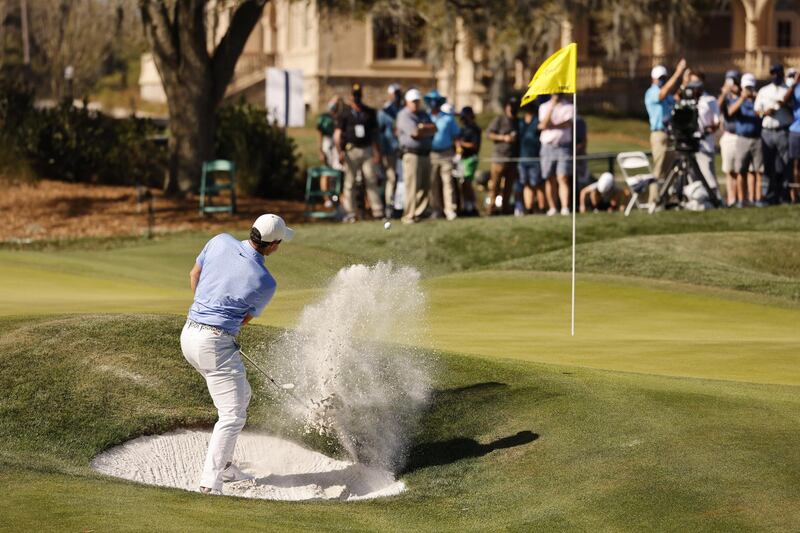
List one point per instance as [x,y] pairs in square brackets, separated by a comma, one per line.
[658,101]
[748,141]
[708,121]
[727,144]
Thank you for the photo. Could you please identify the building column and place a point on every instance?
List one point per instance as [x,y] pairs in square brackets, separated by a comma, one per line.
[659,43]
[566,32]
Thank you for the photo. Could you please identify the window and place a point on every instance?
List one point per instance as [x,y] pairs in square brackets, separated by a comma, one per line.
[391,40]
[784,33]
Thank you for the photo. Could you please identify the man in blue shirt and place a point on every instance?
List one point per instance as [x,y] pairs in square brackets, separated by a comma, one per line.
[231,286]
[529,170]
[749,158]
[388,144]
[443,199]
[658,100]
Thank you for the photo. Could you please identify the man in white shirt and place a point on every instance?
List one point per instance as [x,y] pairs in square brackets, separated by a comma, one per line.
[708,119]
[775,121]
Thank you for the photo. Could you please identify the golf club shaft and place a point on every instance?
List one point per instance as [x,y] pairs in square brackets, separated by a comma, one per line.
[290,393]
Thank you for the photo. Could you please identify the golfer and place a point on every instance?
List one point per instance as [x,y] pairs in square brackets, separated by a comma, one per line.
[231,286]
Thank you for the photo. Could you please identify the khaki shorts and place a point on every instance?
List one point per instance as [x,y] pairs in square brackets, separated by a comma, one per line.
[727,148]
[749,155]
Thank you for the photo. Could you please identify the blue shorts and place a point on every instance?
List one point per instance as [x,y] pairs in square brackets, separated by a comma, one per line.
[794,145]
[530,174]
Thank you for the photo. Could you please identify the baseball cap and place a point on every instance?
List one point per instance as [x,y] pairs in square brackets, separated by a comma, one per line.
[748,80]
[467,111]
[393,88]
[733,74]
[658,71]
[270,228]
[513,101]
[791,72]
[605,182]
[447,108]
[776,68]
[413,95]
[356,88]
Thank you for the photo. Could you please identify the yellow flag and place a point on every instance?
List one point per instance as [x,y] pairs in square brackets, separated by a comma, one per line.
[556,75]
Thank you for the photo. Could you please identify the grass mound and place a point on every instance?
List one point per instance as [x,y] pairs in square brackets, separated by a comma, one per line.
[505,445]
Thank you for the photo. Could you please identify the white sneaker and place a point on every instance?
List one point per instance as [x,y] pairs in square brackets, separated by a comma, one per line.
[451,216]
[565,210]
[233,473]
[552,211]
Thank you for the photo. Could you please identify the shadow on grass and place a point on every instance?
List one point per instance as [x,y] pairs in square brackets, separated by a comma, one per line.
[449,451]
[452,405]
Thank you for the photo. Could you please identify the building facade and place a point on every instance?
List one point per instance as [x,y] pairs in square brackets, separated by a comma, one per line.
[334,51]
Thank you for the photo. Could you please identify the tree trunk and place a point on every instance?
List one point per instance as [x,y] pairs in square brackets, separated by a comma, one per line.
[194,79]
[191,141]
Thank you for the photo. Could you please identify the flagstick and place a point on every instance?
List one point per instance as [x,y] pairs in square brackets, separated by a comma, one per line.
[574,196]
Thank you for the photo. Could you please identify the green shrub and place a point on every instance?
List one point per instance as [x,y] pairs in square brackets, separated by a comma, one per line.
[75,144]
[265,157]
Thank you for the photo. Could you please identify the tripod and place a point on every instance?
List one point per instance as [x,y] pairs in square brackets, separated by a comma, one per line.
[683,170]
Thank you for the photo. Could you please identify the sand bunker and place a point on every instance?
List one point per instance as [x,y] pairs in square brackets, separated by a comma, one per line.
[282,470]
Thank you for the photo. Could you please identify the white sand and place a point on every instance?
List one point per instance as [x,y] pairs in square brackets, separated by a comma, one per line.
[282,469]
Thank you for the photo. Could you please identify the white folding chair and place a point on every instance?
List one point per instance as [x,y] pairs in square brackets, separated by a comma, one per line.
[638,176]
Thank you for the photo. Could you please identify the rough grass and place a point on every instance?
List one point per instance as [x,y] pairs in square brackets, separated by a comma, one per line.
[505,446]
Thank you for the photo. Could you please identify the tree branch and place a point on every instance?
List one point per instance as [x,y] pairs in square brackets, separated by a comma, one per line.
[230,47]
[159,31]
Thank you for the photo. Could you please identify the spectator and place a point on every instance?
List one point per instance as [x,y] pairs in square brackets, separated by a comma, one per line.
[708,122]
[503,131]
[415,131]
[328,155]
[582,177]
[555,124]
[469,145]
[749,156]
[357,138]
[603,195]
[776,119]
[658,100]
[792,99]
[530,181]
[727,144]
[388,143]
[442,152]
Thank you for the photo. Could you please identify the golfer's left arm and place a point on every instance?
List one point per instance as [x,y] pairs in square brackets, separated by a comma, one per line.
[194,276]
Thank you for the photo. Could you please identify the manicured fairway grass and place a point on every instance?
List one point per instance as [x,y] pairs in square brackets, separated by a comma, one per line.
[505,446]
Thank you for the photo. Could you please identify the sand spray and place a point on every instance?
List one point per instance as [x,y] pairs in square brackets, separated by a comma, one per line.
[351,357]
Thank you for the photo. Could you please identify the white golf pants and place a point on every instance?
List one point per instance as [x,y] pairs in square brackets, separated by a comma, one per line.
[216,356]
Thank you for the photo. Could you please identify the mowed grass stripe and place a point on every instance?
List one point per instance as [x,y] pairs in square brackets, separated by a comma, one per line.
[613,451]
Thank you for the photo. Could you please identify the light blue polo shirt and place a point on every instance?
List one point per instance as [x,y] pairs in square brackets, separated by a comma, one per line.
[233,283]
[657,109]
[446,132]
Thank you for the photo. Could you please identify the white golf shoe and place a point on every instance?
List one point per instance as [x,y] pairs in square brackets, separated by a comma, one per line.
[233,473]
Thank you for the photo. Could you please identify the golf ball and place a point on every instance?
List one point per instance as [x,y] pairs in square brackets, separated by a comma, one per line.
[387,225]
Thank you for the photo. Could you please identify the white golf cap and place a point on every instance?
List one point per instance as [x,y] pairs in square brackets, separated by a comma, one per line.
[393,88]
[605,182]
[447,108]
[413,95]
[658,71]
[791,72]
[271,228]
[748,80]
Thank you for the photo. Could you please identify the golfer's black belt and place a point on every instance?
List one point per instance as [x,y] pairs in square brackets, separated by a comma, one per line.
[198,325]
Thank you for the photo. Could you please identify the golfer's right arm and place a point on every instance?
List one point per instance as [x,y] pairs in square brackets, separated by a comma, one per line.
[194,276]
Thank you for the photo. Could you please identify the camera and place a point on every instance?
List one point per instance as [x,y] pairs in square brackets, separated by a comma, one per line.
[683,126]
